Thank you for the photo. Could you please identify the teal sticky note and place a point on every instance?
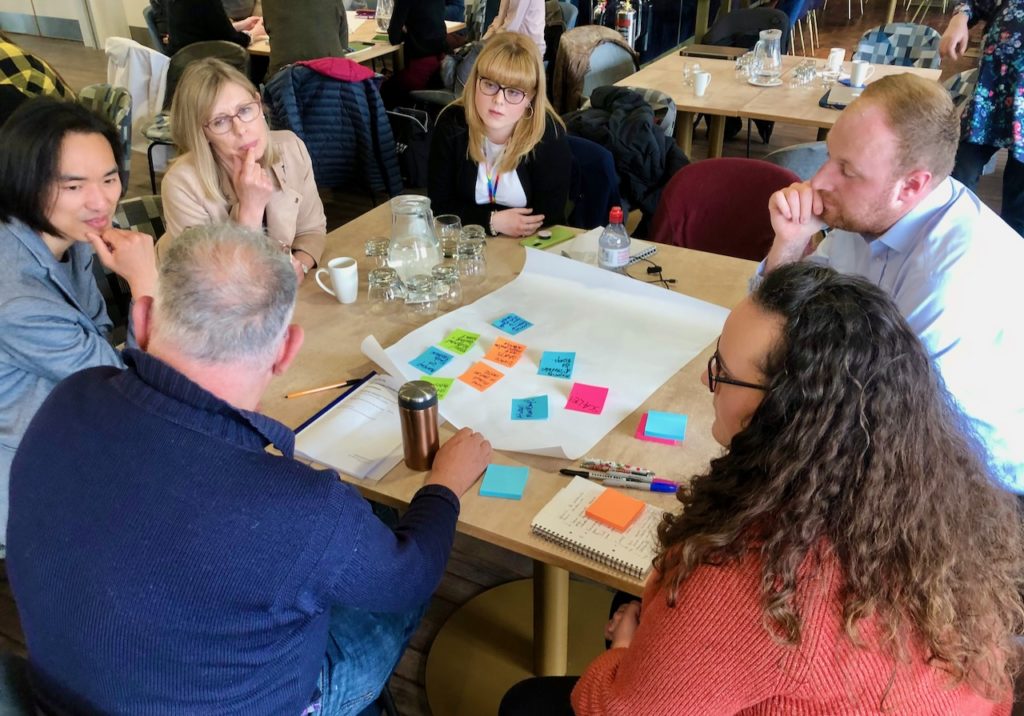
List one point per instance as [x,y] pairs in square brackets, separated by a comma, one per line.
[557,364]
[431,360]
[530,408]
[667,426]
[504,481]
[511,324]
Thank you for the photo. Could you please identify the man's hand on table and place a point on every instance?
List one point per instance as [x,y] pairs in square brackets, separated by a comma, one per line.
[460,461]
[796,217]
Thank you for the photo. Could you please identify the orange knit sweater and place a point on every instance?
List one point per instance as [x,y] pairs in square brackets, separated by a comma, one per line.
[711,655]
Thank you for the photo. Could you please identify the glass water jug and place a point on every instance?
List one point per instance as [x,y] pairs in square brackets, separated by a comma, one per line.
[414,248]
[767,64]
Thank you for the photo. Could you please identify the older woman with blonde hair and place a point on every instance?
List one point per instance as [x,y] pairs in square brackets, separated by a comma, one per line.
[499,155]
[234,168]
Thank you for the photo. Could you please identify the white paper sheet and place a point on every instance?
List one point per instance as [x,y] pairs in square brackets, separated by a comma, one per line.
[628,336]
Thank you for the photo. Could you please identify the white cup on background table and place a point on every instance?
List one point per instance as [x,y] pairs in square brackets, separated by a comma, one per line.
[860,72]
[344,273]
[701,80]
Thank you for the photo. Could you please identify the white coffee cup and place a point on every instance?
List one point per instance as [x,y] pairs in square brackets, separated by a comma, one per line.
[835,59]
[701,80]
[860,71]
[344,274]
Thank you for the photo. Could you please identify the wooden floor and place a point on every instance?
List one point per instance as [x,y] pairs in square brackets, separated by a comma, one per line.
[474,565]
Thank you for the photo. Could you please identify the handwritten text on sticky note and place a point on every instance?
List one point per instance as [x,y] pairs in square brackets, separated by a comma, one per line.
[512,324]
[441,385]
[505,352]
[530,408]
[481,376]
[556,364]
[587,398]
[459,341]
[431,360]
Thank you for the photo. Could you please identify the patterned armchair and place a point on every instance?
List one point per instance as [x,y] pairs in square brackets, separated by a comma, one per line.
[114,103]
[900,43]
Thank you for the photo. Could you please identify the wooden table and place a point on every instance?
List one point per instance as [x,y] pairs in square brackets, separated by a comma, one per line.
[362,31]
[729,96]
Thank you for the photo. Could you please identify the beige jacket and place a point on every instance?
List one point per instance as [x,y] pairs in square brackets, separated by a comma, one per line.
[294,215]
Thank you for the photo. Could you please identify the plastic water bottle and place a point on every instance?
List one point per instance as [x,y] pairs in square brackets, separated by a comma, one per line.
[613,246]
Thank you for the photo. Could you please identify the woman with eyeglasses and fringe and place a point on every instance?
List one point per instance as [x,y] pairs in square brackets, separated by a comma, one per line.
[849,553]
[499,156]
[232,167]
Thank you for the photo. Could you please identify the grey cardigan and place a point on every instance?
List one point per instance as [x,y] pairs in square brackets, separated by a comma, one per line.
[53,322]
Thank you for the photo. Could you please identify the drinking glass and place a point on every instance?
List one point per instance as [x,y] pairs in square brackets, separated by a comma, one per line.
[420,296]
[447,286]
[688,71]
[448,228]
[470,256]
[377,251]
[382,294]
[382,15]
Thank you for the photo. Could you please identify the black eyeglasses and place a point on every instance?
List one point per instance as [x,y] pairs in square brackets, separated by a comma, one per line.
[222,123]
[715,367]
[513,95]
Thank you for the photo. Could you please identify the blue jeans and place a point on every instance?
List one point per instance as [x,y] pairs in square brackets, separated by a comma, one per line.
[363,649]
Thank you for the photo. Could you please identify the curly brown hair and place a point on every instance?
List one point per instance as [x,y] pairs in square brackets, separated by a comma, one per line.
[858,449]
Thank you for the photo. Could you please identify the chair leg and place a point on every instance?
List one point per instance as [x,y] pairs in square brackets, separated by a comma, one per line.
[800,29]
[152,172]
[387,702]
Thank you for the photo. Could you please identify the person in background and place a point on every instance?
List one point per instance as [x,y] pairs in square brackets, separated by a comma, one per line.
[198,570]
[950,264]
[849,553]
[190,21]
[23,76]
[419,24]
[305,30]
[59,188]
[499,156]
[523,16]
[455,10]
[233,167]
[995,111]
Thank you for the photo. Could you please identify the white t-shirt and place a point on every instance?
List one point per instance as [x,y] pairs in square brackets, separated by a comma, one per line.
[510,190]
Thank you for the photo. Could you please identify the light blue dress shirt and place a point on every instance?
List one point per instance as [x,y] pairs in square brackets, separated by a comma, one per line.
[956,272]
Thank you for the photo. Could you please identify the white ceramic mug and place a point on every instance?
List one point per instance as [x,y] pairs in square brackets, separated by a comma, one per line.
[860,71]
[344,274]
[701,80]
[835,59]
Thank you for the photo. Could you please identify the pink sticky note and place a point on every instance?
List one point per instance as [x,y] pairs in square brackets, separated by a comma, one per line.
[642,428]
[587,398]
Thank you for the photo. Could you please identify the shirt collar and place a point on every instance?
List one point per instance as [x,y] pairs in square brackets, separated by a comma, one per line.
[202,410]
[905,233]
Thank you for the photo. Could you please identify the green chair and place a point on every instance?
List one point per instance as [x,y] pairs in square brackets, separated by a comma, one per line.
[114,103]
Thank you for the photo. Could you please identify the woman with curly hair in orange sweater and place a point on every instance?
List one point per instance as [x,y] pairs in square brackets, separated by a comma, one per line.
[848,554]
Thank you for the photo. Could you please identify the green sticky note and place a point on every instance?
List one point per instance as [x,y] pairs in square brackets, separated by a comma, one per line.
[459,341]
[443,385]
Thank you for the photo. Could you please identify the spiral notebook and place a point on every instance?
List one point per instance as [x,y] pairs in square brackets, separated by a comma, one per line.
[564,521]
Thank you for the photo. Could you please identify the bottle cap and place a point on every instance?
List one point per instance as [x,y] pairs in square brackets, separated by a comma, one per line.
[417,395]
[615,215]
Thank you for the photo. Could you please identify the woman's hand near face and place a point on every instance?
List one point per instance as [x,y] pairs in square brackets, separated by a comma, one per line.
[516,222]
[621,627]
[254,188]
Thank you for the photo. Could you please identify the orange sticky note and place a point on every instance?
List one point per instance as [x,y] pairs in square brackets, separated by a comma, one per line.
[505,352]
[615,509]
[481,376]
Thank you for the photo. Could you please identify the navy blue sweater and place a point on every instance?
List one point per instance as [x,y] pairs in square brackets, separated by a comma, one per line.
[163,562]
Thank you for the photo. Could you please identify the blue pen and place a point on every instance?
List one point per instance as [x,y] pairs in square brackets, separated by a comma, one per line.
[631,485]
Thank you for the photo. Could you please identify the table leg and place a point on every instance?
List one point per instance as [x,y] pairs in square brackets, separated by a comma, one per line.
[700,25]
[684,132]
[716,135]
[822,134]
[550,620]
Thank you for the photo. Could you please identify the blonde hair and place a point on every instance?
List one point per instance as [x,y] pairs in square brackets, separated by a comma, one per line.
[194,97]
[921,114]
[512,60]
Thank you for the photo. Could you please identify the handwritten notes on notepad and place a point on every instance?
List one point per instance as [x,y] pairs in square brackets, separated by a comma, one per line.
[530,408]
[511,324]
[431,360]
[557,364]
[587,398]
[481,376]
[459,341]
[615,509]
[505,352]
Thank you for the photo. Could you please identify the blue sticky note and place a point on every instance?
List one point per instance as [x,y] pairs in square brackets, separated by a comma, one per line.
[557,365]
[530,408]
[512,324]
[431,360]
[504,481]
[667,426]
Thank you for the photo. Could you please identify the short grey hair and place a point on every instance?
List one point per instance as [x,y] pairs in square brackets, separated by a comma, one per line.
[226,294]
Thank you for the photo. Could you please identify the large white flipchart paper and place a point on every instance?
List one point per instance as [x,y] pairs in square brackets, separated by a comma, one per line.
[628,336]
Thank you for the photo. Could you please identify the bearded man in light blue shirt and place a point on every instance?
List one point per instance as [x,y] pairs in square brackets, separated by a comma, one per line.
[950,263]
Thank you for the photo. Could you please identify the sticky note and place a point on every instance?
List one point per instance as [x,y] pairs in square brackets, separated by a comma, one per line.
[587,398]
[505,352]
[615,509]
[667,426]
[511,324]
[481,376]
[504,481]
[530,408]
[641,435]
[442,385]
[431,360]
[459,341]
[556,364]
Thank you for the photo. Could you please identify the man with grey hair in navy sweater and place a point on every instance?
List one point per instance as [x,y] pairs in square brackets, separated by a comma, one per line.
[164,562]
